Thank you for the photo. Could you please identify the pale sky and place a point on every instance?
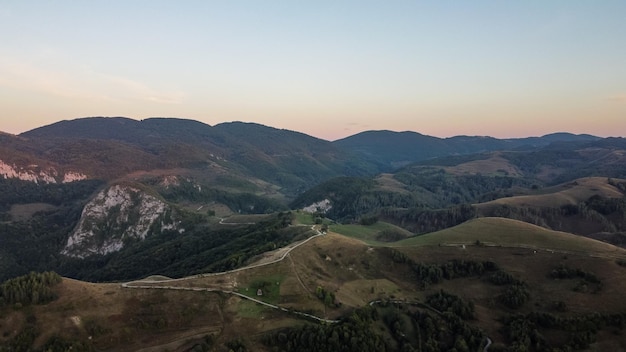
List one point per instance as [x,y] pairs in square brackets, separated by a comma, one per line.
[326,68]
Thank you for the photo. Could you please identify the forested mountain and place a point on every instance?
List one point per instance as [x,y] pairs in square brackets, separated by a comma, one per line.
[569,186]
[118,146]
[105,189]
[394,149]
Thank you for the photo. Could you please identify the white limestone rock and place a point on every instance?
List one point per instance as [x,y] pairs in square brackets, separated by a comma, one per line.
[114,216]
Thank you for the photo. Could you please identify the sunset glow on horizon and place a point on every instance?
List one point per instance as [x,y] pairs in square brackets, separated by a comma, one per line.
[325,68]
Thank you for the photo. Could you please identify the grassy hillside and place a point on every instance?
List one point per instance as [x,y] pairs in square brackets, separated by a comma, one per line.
[512,233]
[352,274]
[376,234]
[569,193]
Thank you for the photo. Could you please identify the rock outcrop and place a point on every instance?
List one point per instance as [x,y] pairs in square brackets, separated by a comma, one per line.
[116,215]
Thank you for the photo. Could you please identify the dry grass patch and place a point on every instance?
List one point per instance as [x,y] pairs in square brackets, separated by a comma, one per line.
[358,293]
[388,183]
[22,212]
[495,165]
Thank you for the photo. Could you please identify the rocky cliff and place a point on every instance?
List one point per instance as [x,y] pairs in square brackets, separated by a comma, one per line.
[116,215]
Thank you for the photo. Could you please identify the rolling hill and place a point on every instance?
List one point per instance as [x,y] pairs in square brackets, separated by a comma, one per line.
[383,293]
[513,233]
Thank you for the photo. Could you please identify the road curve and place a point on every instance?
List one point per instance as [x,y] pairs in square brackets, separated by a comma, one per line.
[488,344]
[318,234]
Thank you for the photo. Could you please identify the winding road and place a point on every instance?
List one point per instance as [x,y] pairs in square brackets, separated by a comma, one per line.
[141,284]
[147,284]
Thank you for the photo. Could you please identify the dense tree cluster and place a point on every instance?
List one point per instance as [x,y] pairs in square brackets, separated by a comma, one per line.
[443,189]
[34,244]
[434,273]
[501,277]
[34,288]
[421,220]
[368,220]
[327,297]
[354,334]
[414,329]
[353,197]
[599,214]
[588,282]
[447,302]
[526,332]
[564,272]
[514,296]
[15,191]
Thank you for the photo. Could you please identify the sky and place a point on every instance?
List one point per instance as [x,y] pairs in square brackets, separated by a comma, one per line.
[326,68]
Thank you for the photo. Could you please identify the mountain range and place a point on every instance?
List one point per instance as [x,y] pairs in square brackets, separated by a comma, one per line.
[147,176]
[406,225]
[115,147]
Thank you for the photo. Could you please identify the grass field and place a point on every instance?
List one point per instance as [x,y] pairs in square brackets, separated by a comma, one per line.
[21,212]
[368,234]
[269,287]
[495,166]
[244,219]
[304,218]
[249,309]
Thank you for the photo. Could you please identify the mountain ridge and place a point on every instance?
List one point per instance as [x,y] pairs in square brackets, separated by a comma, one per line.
[366,152]
[205,173]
